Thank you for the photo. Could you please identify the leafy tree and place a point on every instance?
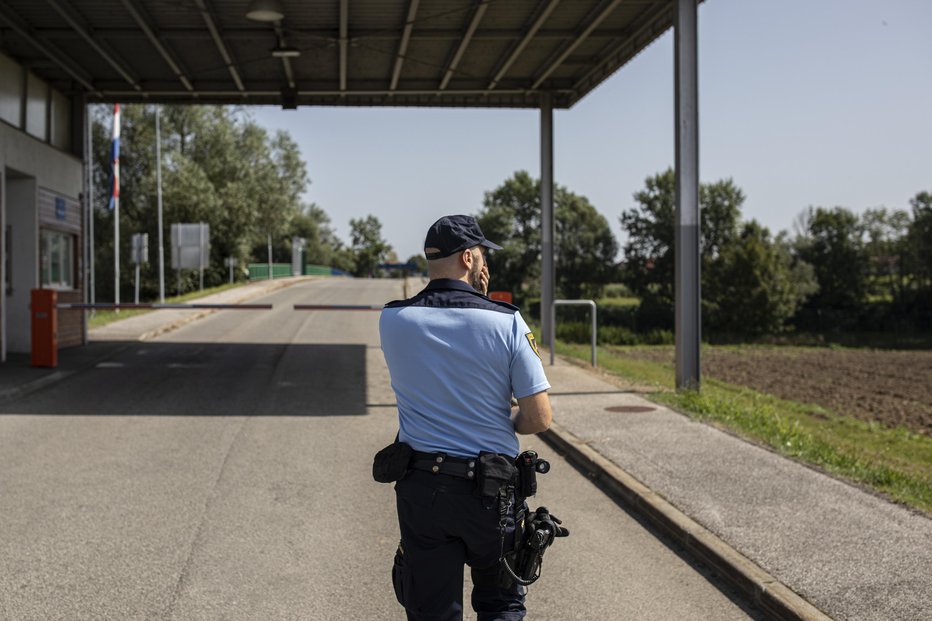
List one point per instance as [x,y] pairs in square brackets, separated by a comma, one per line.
[919,241]
[511,217]
[218,167]
[649,261]
[649,252]
[369,249]
[323,246]
[886,250]
[751,283]
[420,261]
[584,246]
[832,244]
[752,286]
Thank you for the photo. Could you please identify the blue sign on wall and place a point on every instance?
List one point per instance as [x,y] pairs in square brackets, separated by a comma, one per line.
[59,208]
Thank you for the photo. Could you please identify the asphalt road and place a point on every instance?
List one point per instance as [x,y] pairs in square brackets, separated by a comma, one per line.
[222,471]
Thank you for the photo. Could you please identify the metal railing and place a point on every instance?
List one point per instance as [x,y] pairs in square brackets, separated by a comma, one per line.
[553,323]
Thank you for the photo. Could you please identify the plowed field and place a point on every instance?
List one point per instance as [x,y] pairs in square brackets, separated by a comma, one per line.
[890,387]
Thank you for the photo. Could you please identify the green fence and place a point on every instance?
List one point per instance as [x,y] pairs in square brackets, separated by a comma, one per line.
[318,270]
[260,271]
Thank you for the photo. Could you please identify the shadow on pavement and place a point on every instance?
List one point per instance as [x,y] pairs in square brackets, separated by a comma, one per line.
[208,379]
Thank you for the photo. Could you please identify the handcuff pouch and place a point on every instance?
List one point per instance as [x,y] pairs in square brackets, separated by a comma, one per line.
[495,472]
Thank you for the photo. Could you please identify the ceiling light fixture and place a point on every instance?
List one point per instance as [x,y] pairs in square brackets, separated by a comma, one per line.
[265,11]
[285,52]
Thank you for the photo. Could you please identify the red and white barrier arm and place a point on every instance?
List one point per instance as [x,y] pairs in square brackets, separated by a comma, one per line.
[332,307]
[158,306]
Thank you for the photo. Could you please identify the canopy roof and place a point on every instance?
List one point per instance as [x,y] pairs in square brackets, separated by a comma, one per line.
[468,53]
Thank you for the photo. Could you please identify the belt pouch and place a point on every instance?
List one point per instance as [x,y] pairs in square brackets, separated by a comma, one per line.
[391,463]
[494,473]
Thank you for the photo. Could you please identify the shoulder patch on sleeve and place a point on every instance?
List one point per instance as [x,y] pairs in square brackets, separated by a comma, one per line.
[530,339]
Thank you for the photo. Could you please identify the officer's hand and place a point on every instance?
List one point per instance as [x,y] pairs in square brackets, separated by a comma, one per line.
[484,280]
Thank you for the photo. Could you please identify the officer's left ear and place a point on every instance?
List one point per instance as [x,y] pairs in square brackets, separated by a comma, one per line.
[467,258]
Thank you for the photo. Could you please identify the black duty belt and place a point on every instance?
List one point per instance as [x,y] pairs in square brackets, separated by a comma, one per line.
[440,463]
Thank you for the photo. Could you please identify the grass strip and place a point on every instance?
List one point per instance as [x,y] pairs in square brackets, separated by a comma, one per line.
[894,461]
[102,318]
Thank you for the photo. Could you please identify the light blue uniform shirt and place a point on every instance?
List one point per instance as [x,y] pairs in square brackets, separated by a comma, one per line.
[455,359]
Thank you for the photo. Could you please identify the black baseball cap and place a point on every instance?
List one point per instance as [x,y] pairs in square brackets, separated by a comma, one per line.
[451,234]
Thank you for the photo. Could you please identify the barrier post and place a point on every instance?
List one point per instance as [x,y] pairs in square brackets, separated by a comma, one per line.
[44,315]
[553,324]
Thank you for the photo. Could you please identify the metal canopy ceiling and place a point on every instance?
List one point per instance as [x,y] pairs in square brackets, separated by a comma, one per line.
[468,53]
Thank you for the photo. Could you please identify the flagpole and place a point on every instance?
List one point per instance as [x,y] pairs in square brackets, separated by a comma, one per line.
[116,204]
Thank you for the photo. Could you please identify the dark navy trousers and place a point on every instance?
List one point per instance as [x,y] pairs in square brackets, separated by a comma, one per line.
[444,525]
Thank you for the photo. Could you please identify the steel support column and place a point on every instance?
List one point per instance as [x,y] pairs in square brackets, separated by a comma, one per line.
[87,201]
[3,266]
[688,315]
[547,272]
[92,249]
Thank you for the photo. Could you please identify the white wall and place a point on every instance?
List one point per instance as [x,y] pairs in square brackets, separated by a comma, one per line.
[11,91]
[21,215]
[45,166]
[3,266]
[54,169]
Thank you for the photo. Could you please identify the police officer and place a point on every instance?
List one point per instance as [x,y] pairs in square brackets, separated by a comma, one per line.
[456,358]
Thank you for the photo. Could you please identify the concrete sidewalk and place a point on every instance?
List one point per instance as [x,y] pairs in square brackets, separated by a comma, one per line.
[798,542]
[774,527]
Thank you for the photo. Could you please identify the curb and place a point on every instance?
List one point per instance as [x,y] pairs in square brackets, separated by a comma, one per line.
[766,592]
[36,385]
[31,387]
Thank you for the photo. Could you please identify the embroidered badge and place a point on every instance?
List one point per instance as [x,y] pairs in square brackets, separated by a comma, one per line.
[532,343]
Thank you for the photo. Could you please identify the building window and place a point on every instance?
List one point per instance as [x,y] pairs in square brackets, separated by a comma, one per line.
[57,256]
[37,103]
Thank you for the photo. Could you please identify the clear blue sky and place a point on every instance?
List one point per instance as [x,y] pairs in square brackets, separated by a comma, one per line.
[802,102]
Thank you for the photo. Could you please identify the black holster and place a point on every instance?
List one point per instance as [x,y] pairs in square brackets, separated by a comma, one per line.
[391,463]
[494,473]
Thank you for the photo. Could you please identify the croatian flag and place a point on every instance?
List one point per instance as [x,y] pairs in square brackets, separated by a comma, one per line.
[115,157]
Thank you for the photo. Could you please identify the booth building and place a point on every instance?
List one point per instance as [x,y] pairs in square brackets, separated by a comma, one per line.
[41,213]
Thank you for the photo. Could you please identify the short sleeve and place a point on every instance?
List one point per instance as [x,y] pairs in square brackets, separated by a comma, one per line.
[527,367]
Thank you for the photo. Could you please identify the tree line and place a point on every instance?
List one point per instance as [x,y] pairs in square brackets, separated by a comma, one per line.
[837,271]
[221,168]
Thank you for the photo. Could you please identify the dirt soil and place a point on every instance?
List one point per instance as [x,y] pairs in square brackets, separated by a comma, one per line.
[890,387]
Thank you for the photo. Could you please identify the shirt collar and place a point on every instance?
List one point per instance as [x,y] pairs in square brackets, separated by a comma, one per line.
[450,283]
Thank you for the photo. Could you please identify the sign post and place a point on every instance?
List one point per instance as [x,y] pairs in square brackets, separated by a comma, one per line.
[140,255]
[298,244]
[190,249]
[231,263]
